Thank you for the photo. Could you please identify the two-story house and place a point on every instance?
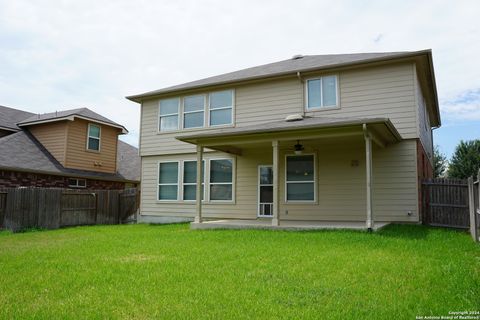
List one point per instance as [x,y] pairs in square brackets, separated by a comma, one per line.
[67,149]
[304,141]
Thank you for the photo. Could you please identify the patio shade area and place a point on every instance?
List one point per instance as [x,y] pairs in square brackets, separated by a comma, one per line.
[274,136]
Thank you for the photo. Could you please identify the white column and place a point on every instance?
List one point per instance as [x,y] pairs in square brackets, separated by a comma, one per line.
[198,215]
[368,161]
[276,170]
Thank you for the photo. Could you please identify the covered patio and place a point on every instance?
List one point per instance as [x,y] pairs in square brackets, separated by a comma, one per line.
[271,137]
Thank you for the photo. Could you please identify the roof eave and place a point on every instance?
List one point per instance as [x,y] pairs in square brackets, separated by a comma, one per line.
[196,139]
[9,129]
[434,88]
[67,174]
[72,118]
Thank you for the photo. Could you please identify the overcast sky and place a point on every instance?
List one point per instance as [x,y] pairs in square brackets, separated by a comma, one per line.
[56,55]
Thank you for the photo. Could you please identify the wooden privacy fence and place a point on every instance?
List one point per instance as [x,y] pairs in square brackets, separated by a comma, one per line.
[445,203]
[23,208]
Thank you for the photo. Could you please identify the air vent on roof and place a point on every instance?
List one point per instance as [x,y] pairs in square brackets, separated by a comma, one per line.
[297,56]
[294,117]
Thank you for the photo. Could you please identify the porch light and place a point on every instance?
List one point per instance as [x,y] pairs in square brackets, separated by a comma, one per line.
[298,148]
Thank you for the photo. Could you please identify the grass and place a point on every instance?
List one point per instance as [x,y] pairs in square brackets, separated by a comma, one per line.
[171,272]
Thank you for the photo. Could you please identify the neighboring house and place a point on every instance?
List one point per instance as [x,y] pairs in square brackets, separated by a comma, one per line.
[67,149]
[344,137]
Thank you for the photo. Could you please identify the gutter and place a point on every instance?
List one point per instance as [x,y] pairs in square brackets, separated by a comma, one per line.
[302,81]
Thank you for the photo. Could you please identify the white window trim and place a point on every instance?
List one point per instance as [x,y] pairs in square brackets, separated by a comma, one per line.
[179,121]
[258,191]
[232,107]
[194,183]
[233,183]
[168,184]
[77,185]
[197,111]
[314,201]
[99,137]
[320,108]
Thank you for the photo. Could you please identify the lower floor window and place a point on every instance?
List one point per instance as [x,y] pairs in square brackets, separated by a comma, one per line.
[177,180]
[300,178]
[221,179]
[77,183]
[168,181]
[190,180]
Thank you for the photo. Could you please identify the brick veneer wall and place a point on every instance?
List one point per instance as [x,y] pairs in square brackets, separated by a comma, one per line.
[424,171]
[13,179]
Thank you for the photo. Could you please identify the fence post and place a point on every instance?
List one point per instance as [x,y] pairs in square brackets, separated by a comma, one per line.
[471,206]
[424,202]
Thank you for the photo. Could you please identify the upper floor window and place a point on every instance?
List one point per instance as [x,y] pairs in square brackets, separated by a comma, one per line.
[221,105]
[93,140]
[194,111]
[322,92]
[168,119]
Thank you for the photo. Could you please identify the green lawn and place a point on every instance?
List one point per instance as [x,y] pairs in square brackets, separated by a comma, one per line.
[171,272]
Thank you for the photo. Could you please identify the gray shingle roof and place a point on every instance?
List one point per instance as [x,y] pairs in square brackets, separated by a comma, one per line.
[9,118]
[21,151]
[306,63]
[128,161]
[60,115]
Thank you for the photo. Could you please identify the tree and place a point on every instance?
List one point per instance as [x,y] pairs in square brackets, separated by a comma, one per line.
[465,160]
[439,162]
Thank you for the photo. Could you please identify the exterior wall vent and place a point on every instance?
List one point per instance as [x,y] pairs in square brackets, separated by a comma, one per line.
[294,117]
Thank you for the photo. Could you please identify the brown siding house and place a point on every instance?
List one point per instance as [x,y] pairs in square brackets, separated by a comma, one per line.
[69,149]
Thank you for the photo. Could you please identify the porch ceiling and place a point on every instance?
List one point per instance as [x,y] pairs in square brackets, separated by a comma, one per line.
[232,140]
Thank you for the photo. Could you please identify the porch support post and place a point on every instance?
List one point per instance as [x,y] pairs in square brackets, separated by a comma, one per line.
[368,162]
[276,170]
[198,214]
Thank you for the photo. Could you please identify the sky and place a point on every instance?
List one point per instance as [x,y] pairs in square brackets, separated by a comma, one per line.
[57,55]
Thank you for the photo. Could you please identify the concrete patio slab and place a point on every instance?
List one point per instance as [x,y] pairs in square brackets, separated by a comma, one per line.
[284,225]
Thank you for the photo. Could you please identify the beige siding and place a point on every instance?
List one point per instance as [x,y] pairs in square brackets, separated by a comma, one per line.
[53,137]
[269,101]
[395,188]
[423,125]
[79,157]
[384,91]
[340,186]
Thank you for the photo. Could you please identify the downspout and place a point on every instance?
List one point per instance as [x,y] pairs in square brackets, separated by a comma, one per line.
[302,81]
[433,149]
